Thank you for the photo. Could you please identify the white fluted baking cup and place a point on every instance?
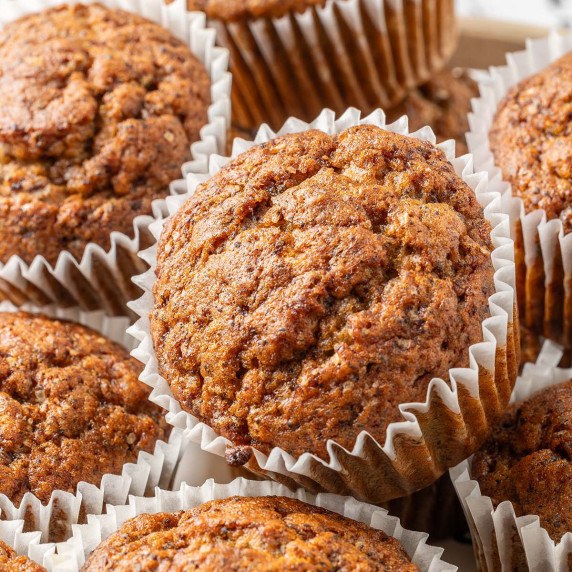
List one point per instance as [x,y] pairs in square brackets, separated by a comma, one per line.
[503,541]
[362,53]
[545,291]
[54,519]
[102,278]
[434,435]
[70,556]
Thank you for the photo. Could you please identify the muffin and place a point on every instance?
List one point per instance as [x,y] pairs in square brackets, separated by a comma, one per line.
[11,562]
[527,459]
[313,286]
[297,57]
[71,407]
[239,533]
[443,103]
[98,108]
[530,140]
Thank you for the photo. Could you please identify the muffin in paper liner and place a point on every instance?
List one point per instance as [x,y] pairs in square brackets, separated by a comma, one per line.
[543,252]
[340,53]
[102,278]
[54,520]
[458,413]
[501,540]
[69,556]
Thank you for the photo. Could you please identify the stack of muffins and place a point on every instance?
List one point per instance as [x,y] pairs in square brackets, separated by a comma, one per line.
[332,308]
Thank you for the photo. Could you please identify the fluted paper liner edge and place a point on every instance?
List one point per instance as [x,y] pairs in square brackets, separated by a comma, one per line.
[412,456]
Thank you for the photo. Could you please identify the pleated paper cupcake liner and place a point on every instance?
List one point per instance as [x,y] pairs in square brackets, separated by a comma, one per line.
[435,434]
[55,518]
[501,540]
[102,278]
[543,252]
[362,53]
[71,555]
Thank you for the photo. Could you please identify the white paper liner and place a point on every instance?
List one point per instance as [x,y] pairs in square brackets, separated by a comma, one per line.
[544,241]
[102,279]
[409,441]
[150,470]
[362,53]
[499,536]
[70,556]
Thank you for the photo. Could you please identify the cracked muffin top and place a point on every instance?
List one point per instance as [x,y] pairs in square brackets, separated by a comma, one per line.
[527,459]
[98,109]
[231,10]
[11,562]
[71,407]
[317,282]
[240,533]
[531,140]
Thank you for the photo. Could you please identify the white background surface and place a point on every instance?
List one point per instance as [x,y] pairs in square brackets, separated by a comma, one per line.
[539,12]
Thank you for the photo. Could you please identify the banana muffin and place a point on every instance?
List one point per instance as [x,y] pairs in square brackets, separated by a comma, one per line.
[98,109]
[11,562]
[443,104]
[531,140]
[239,533]
[71,407]
[527,459]
[317,282]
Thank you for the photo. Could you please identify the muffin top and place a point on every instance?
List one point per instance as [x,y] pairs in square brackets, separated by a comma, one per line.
[265,533]
[231,10]
[531,140]
[527,459]
[98,109]
[443,103]
[11,562]
[317,282]
[71,407]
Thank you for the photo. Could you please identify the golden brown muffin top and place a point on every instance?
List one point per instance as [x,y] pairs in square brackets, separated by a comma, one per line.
[98,109]
[11,562]
[443,103]
[231,10]
[527,460]
[531,140]
[71,407]
[317,282]
[255,534]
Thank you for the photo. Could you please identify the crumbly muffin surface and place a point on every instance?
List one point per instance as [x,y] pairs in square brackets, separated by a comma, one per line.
[98,109]
[531,140]
[315,283]
[443,104]
[71,407]
[255,534]
[527,460]
[11,562]
[231,10]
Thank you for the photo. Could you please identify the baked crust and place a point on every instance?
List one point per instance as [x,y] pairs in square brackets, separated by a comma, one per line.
[11,562]
[265,533]
[232,10]
[98,109]
[531,140]
[315,283]
[71,407]
[527,459]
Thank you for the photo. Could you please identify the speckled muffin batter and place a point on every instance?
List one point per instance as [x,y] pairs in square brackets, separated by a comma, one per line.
[527,459]
[531,140]
[231,10]
[11,562]
[255,534]
[98,109]
[71,407]
[315,283]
